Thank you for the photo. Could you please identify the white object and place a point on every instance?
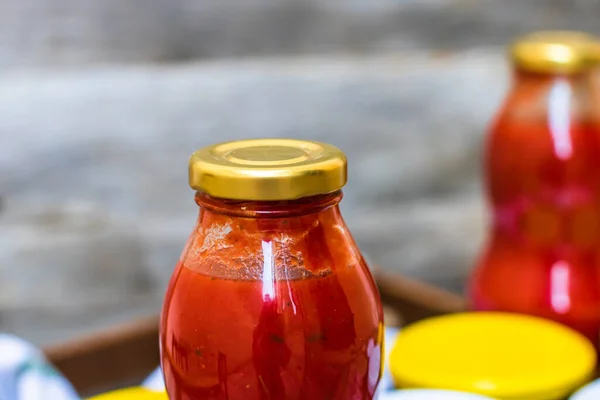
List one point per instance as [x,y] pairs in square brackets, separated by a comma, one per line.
[155,381]
[588,392]
[430,394]
[26,375]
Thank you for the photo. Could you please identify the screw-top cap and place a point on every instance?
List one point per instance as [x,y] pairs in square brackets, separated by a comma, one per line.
[267,169]
[560,52]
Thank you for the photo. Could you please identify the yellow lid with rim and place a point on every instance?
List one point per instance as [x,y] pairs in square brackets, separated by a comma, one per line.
[134,393]
[268,169]
[500,355]
[560,52]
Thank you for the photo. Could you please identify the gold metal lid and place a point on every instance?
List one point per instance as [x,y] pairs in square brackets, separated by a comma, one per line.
[560,52]
[267,169]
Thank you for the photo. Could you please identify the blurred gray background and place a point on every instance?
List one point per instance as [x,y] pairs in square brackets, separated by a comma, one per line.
[102,101]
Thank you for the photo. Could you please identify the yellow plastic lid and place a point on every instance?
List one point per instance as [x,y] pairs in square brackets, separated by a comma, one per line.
[132,394]
[500,355]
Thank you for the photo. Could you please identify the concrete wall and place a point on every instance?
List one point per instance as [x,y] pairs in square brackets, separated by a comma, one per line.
[102,101]
[44,33]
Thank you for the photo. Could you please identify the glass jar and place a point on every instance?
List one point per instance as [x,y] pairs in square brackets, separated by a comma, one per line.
[271,298]
[543,184]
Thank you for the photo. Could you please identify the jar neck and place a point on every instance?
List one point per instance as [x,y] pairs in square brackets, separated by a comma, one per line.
[268,209]
[303,237]
[534,79]
[535,96]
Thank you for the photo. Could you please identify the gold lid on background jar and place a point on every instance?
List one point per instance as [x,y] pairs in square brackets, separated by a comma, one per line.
[560,52]
[267,169]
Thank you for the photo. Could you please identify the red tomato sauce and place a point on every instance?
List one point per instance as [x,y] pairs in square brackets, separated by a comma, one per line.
[543,177]
[271,308]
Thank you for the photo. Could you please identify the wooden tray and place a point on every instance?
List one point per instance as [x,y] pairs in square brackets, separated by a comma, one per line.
[125,355]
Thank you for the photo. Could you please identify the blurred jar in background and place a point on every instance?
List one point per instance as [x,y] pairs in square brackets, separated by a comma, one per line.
[271,298]
[596,77]
[542,173]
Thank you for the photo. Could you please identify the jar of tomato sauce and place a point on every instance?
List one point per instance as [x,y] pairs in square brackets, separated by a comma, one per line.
[271,298]
[542,174]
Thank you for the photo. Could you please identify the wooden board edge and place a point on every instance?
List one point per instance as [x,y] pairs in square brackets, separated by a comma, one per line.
[415,300]
[95,362]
